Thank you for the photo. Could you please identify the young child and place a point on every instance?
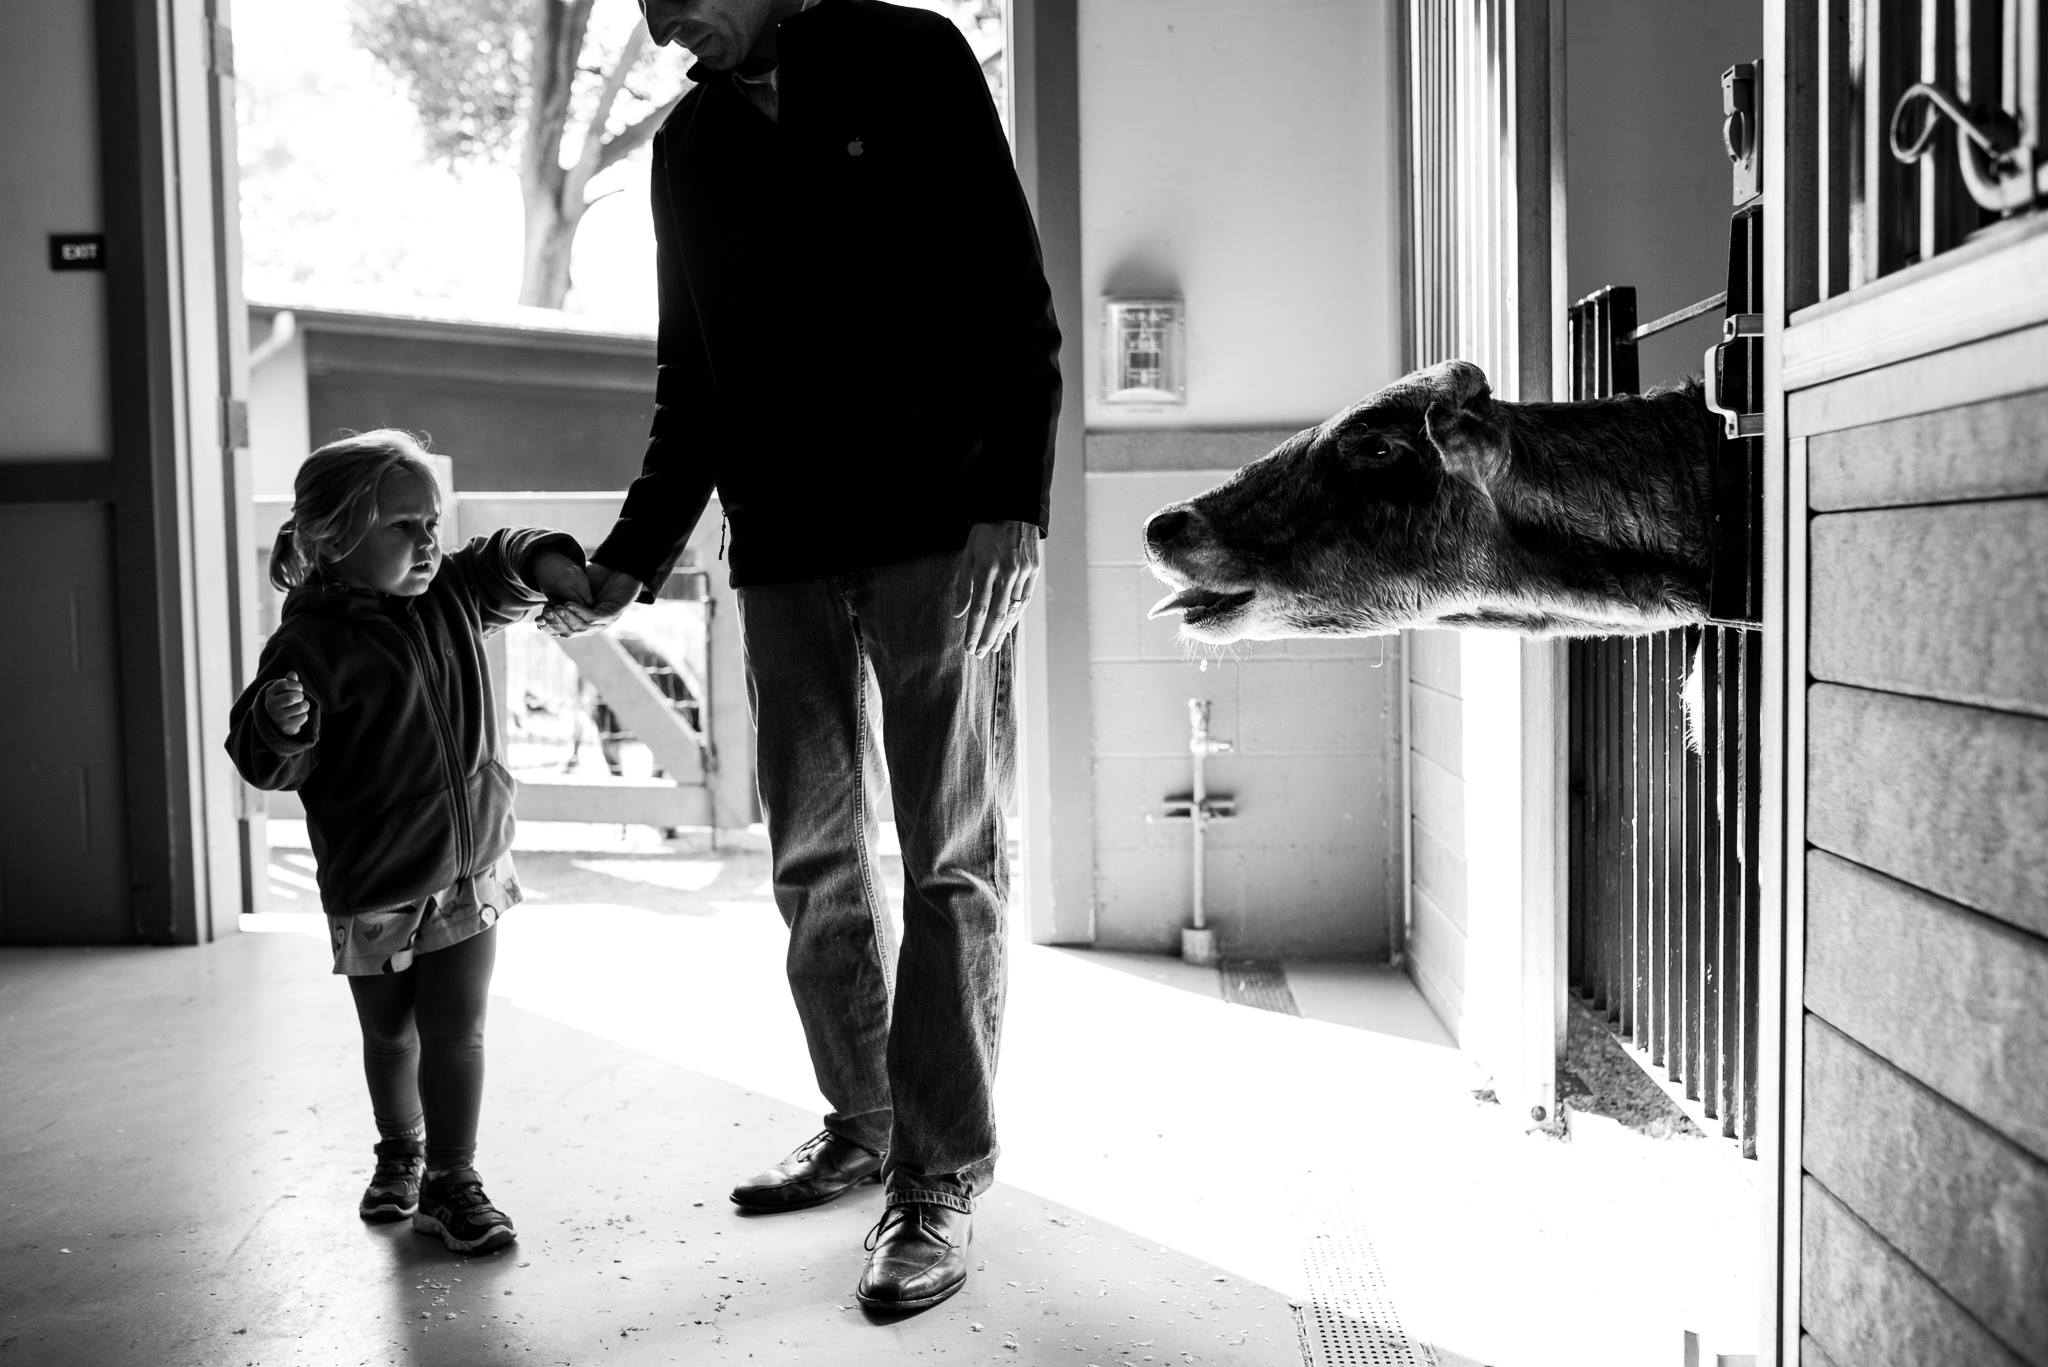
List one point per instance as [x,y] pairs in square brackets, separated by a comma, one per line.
[373,700]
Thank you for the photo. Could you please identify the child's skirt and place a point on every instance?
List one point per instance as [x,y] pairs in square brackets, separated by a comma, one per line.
[368,943]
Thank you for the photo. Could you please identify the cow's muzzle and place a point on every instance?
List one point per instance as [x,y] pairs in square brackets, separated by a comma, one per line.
[1171,525]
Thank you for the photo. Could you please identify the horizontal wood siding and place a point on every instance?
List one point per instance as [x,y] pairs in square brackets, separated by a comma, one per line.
[1437,791]
[1953,799]
[1436,817]
[1869,1307]
[1440,874]
[1811,1354]
[1964,1205]
[1436,946]
[1994,368]
[1952,997]
[1922,1110]
[1436,729]
[1993,449]
[1435,659]
[1966,627]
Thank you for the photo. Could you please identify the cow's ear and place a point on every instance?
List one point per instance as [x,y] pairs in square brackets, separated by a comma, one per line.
[1467,438]
[1461,386]
[1459,419]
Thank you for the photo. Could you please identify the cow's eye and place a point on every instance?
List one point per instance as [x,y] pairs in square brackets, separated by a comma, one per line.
[1366,448]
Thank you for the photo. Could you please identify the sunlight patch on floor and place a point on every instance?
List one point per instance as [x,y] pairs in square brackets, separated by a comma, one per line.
[1212,1128]
[1130,1092]
[677,875]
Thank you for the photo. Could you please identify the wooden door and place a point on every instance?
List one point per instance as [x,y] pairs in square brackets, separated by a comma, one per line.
[1914,368]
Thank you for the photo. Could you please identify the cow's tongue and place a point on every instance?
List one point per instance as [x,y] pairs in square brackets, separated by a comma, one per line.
[1194,600]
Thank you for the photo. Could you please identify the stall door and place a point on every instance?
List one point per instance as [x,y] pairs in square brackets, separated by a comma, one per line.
[1916,415]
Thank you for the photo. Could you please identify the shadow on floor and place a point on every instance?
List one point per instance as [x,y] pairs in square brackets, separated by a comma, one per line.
[186,1135]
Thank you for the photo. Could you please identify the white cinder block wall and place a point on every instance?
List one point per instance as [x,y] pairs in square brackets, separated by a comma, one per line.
[1310,866]
[1244,158]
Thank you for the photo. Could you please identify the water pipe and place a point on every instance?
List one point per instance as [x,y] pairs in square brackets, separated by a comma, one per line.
[1197,940]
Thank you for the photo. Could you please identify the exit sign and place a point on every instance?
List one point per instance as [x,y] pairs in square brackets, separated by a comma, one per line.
[78,251]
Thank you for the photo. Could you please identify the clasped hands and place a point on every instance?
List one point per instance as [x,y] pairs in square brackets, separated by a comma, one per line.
[557,576]
[998,574]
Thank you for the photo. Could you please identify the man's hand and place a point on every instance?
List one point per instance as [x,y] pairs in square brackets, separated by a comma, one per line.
[608,593]
[286,702]
[998,571]
[558,576]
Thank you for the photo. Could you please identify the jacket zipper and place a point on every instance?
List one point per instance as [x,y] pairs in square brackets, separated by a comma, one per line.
[465,839]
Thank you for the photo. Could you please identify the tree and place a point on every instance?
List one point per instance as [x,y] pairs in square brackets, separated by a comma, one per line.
[523,81]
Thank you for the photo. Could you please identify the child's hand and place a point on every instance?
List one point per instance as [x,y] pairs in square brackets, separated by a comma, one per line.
[285,701]
[610,593]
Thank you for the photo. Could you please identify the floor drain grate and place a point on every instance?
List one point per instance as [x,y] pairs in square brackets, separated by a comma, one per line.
[1257,982]
[1350,1319]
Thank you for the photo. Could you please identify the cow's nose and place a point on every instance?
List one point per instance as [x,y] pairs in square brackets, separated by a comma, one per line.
[1166,526]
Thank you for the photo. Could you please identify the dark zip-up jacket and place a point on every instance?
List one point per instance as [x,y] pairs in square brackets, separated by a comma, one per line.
[857,343]
[398,764]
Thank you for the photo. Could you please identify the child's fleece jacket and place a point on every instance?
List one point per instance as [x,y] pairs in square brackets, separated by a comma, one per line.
[398,763]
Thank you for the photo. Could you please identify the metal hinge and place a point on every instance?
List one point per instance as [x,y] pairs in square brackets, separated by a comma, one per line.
[1741,130]
[220,56]
[234,423]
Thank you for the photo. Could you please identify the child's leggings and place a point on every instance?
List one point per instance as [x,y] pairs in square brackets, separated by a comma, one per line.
[423,1046]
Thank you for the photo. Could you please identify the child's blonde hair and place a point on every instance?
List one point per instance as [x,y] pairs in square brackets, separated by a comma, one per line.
[334,500]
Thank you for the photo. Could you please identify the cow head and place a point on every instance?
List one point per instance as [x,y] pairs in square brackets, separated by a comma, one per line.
[1375,521]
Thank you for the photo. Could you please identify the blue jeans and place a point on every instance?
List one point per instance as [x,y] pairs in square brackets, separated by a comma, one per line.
[846,674]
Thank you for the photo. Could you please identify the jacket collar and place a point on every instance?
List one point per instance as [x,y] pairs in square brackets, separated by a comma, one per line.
[324,597]
[699,74]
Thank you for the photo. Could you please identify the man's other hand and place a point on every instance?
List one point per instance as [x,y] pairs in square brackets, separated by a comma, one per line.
[998,572]
[611,591]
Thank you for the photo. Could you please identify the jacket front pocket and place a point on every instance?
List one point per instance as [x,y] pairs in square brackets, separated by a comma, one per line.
[399,855]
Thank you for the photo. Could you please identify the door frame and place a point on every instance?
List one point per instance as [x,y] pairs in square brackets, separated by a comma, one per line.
[175,364]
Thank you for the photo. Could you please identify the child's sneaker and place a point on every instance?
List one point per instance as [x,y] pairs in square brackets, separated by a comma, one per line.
[394,1190]
[453,1205]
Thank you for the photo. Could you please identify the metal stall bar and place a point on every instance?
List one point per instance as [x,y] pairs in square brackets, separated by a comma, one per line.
[1713,803]
[1662,915]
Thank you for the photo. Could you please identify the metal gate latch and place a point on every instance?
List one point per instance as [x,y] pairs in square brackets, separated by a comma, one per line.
[1736,330]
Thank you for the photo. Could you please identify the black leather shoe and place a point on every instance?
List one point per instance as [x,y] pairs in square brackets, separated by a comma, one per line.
[823,1167]
[917,1256]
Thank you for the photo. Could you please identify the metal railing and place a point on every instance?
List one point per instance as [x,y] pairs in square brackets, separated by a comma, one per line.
[1930,116]
[1662,887]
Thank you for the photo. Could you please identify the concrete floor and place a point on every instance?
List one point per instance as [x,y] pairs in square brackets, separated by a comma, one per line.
[185,1135]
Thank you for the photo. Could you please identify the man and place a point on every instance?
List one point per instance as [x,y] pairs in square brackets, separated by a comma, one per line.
[858,350]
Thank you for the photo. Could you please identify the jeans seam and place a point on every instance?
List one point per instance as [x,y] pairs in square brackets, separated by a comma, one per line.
[876,912]
[998,714]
